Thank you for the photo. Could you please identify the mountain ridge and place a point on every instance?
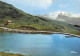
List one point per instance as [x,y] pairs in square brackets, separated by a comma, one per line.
[21,20]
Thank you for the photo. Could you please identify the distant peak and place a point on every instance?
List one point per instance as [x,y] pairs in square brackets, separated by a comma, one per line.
[54,15]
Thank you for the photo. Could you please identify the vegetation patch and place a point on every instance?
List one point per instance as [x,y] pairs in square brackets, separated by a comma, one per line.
[10,54]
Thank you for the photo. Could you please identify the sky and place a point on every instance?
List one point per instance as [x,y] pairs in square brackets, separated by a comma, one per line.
[45,6]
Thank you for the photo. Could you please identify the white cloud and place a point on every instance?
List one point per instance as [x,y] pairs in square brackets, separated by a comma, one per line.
[35,3]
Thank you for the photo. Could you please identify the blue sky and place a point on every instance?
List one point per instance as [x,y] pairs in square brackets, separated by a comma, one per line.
[45,6]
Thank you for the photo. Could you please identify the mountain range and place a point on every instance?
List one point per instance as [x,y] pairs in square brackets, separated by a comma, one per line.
[21,20]
[63,16]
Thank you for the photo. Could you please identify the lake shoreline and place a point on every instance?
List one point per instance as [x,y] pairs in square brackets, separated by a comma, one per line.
[11,54]
[4,29]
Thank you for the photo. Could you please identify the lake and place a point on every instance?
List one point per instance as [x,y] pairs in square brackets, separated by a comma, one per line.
[40,44]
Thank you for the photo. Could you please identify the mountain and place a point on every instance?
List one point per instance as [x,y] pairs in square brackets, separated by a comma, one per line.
[18,17]
[12,17]
[63,16]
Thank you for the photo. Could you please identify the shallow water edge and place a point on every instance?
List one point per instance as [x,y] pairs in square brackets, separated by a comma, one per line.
[4,29]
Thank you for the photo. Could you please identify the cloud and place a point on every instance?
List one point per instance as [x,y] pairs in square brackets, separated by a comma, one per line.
[34,3]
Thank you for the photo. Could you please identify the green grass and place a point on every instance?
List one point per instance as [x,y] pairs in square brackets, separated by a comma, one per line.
[1,30]
[10,54]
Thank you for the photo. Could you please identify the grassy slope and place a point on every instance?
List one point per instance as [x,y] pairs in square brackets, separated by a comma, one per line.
[20,18]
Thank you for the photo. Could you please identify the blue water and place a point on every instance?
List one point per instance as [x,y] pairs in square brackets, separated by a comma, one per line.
[39,44]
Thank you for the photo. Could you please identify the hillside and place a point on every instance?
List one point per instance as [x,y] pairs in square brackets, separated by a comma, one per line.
[21,20]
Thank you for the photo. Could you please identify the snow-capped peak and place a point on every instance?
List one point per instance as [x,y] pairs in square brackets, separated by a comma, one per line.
[67,17]
[54,15]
